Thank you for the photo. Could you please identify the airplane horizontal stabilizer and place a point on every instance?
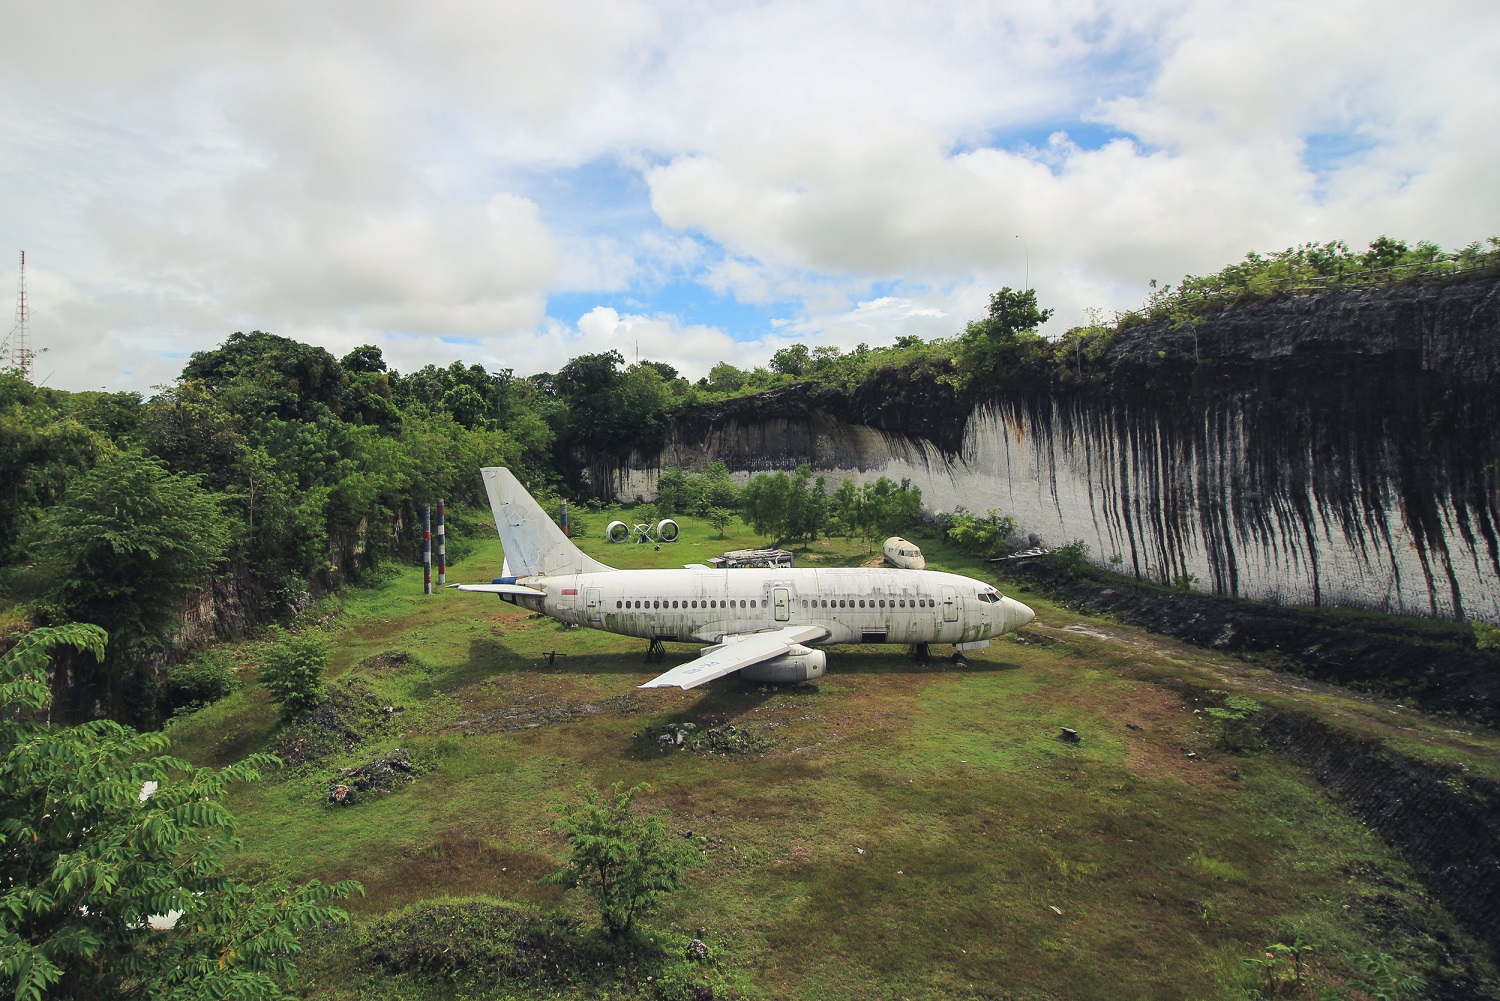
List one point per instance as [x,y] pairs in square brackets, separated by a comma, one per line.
[520,589]
[734,653]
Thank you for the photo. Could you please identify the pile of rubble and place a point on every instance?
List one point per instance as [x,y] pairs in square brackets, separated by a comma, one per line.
[726,738]
[382,776]
[351,715]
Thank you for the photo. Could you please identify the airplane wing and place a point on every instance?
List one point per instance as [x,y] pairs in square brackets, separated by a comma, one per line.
[520,589]
[735,653]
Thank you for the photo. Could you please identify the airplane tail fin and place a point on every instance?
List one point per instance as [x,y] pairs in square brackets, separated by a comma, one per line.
[534,545]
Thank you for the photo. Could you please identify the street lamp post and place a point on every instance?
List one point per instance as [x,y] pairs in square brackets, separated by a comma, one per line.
[1027,251]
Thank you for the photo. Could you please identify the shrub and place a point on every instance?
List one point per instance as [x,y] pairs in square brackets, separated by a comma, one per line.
[979,536]
[625,862]
[1486,636]
[202,681]
[293,671]
[1235,730]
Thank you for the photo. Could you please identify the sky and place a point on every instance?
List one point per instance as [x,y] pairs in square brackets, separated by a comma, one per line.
[515,184]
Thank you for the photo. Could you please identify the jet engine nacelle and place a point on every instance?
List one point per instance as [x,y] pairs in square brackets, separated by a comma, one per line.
[799,663]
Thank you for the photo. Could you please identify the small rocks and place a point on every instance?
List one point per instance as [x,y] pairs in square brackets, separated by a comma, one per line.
[1069,735]
[727,738]
[697,948]
[382,775]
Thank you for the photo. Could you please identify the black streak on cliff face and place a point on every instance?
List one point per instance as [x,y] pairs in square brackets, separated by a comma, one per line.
[1342,448]
[1370,415]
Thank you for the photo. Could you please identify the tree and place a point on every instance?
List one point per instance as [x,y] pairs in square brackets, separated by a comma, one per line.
[134,539]
[725,378]
[674,491]
[131,541]
[85,861]
[998,342]
[719,518]
[293,671]
[791,360]
[625,862]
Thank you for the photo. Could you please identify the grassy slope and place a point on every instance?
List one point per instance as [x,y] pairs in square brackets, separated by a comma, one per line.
[977,824]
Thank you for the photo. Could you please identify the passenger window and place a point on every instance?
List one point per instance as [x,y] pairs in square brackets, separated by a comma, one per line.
[752,602]
[804,602]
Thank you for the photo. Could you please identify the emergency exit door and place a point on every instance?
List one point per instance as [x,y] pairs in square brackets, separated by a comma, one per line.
[595,606]
[781,601]
[950,604]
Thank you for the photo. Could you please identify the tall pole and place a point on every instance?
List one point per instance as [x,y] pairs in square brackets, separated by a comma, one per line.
[426,548]
[442,545]
[21,346]
[565,516]
[1027,251]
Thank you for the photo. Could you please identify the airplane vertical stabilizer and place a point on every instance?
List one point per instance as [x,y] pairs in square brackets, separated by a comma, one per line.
[534,544]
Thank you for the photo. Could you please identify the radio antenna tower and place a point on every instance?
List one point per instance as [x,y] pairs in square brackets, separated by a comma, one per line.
[20,342]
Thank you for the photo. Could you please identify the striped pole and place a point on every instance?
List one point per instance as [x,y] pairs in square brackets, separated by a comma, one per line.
[442,545]
[426,548]
[565,516]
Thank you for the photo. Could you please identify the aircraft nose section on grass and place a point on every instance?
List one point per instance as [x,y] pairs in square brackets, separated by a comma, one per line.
[1016,614]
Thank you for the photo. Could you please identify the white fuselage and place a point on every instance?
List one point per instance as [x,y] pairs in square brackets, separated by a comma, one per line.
[855,605]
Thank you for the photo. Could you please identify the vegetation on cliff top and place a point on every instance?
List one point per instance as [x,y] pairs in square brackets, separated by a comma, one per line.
[278,470]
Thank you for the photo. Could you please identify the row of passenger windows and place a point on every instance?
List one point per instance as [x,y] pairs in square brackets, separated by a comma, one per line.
[806,603]
[872,603]
[684,604]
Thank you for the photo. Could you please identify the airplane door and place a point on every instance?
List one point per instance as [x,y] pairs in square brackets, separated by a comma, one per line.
[595,606]
[781,601]
[950,604]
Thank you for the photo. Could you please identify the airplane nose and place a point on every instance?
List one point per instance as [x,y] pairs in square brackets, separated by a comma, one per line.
[1016,614]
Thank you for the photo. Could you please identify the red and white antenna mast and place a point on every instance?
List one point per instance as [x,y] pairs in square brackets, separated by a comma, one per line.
[20,343]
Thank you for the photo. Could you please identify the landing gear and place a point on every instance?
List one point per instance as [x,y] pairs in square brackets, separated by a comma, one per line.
[919,653]
[656,652]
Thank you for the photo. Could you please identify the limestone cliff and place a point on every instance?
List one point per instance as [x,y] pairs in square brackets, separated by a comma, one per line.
[1336,449]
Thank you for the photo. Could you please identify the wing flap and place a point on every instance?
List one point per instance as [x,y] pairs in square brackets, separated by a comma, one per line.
[734,653]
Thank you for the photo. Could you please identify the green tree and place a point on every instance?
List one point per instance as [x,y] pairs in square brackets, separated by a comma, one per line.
[85,861]
[627,863]
[791,360]
[844,509]
[719,518]
[725,378]
[133,540]
[293,672]
[1004,338]
[674,491]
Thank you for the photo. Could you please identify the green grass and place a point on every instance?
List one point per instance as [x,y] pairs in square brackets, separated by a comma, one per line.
[913,831]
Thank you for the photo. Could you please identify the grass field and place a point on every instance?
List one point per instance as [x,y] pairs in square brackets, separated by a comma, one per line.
[912,830]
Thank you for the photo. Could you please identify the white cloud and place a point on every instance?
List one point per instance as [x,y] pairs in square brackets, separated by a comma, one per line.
[356,172]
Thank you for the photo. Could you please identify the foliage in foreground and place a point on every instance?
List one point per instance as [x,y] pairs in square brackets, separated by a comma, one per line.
[627,863]
[86,861]
[483,942]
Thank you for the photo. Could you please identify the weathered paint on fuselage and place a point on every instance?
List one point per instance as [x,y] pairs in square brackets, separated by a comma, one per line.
[856,605]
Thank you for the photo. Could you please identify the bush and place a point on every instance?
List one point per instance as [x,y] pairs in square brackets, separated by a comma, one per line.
[293,671]
[1486,636]
[626,863]
[976,536]
[202,681]
[1235,730]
